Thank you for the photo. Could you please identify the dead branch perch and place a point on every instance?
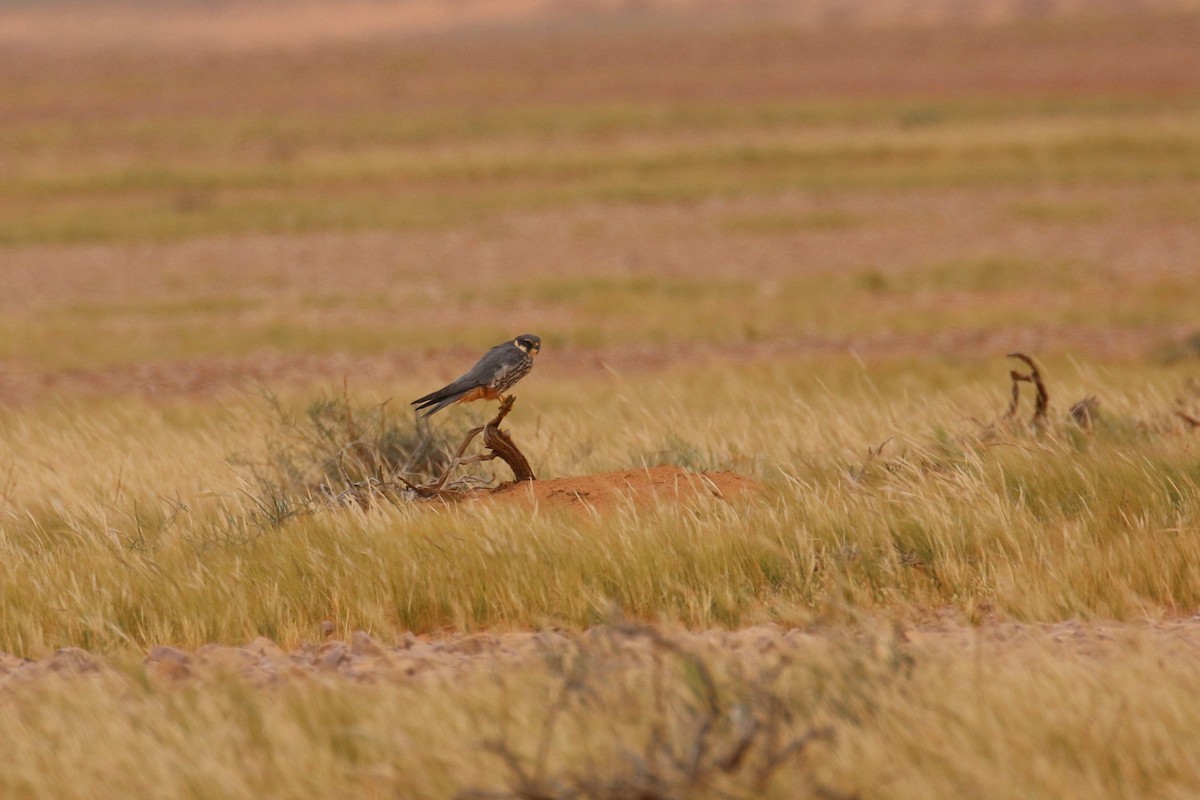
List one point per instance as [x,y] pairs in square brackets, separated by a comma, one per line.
[1034,376]
[499,444]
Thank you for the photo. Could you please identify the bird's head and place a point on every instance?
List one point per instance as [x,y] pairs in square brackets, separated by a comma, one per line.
[528,343]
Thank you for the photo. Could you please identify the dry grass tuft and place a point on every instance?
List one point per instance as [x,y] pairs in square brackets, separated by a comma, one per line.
[729,734]
[340,451]
[153,539]
[759,249]
[880,711]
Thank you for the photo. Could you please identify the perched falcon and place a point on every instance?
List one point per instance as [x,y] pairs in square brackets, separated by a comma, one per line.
[499,369]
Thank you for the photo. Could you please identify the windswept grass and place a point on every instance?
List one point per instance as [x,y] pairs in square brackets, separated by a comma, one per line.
[686,215]
[175,547]
[941,716]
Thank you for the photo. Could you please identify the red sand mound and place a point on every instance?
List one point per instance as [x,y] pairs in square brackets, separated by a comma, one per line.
[639,486]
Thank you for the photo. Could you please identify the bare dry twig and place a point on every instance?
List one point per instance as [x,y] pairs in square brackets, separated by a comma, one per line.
[691,747]
[1034,376]
[499,444]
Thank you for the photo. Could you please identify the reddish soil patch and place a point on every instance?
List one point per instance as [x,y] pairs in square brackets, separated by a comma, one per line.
[638,487]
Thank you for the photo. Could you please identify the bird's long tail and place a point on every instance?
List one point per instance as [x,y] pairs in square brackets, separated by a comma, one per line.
[436,401]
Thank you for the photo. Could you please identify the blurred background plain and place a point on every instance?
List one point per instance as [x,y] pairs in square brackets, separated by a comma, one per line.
[196,193]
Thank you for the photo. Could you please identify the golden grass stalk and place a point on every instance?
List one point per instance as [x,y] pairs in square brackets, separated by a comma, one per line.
[153,538]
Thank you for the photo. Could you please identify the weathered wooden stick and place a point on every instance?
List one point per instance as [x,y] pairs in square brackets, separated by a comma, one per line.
[1042,401]
[499,444]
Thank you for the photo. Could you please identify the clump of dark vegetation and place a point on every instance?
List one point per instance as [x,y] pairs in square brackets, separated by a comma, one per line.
[711,733]
[1082,423]
[497,443]
[339,450]
[1084,414]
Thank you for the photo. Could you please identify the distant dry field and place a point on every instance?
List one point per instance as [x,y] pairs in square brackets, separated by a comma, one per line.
[788,540]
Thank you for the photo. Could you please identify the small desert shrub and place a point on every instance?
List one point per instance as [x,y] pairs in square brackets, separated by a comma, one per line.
[680,723]
[339,448]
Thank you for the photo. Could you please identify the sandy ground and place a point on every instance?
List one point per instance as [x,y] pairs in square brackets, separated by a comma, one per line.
[363,657]
[637,487]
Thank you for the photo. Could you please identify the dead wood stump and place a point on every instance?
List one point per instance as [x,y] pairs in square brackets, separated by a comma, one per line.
[1034,376]
[499,444]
